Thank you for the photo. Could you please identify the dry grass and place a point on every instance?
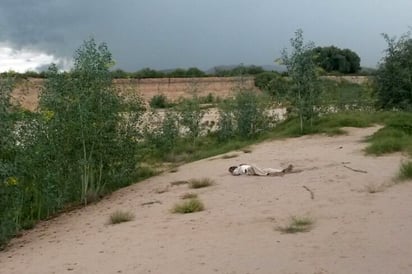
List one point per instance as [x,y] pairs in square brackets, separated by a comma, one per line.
[247,150]
[297,224]
[188,206]
[120,216]
[199,183]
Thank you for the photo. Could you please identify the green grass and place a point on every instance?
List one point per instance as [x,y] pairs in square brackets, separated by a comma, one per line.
[200,183]
[189,206]
[405,171]
[297,224]
[121,216]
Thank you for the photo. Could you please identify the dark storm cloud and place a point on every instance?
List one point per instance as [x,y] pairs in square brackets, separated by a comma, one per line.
[182,33]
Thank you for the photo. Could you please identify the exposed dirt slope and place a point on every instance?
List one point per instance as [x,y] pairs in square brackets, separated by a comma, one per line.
[354,231]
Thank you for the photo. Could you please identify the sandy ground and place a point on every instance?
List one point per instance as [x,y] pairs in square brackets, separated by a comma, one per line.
[354,231]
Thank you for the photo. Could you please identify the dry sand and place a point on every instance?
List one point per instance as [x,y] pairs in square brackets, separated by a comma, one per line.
[354,232]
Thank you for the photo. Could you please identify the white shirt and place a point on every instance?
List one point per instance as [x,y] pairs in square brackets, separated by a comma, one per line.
[241,170]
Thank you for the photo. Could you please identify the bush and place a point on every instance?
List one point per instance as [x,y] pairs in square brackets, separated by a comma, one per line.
[405,172]
[244,116]
[189,206]
[392,82]
[159,101]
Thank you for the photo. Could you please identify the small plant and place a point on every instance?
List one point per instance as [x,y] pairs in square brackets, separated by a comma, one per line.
[405,172]
[120,216]
[189,195]
[199,183]
[247,150]
[159,101]
[297,224]
[189,206]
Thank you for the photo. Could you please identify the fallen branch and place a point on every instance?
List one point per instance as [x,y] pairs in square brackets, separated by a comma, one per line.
[312,195]
[356,170]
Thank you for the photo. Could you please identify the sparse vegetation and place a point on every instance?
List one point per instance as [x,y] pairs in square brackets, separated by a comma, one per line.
[373,188]
[297,224]
[121,216]
[200,183]
[189,206]
[405,172]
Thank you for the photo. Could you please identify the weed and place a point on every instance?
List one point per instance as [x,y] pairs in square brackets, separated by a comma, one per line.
[297,224]
[189,206]
[121,216]
[199,183]
[247,150]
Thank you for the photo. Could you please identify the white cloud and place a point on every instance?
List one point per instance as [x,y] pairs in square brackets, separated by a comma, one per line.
[27,60]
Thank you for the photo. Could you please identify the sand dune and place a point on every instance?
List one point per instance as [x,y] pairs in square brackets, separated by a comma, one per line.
[354,231]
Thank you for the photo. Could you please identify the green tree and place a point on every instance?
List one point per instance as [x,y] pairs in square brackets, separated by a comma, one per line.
[393,81]
[335,59]
[91,139]
[304,93]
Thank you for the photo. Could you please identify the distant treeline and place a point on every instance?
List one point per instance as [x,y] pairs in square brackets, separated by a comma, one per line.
[152,73]
[330,60]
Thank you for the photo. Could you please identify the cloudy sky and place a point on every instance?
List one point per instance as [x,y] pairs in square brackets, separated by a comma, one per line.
[164,34]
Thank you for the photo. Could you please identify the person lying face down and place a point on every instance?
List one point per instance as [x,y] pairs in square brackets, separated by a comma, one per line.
[248,169]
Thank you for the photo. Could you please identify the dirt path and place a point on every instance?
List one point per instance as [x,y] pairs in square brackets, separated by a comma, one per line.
[354,232]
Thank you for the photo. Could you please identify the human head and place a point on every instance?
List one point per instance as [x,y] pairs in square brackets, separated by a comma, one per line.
[232,168]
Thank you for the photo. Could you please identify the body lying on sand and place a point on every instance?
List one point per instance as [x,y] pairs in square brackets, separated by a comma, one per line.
[253,170]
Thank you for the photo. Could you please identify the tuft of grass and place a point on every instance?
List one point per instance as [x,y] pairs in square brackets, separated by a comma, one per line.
[120,216]
[189,206]
[199,183]
[189,195]
[297,224]
[405,171]
[247,150]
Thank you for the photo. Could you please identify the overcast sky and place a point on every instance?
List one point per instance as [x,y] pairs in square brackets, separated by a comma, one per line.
[164,34]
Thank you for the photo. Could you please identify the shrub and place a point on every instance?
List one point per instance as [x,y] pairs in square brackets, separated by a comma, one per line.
[159,101]
[244,116]
[189,206]
[405,172]
[392,82]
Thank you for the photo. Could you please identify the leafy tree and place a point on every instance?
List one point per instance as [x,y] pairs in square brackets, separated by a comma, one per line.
[195,72]
[304,93]
[90,139]
[191,115]
[393,81]
[334,59]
